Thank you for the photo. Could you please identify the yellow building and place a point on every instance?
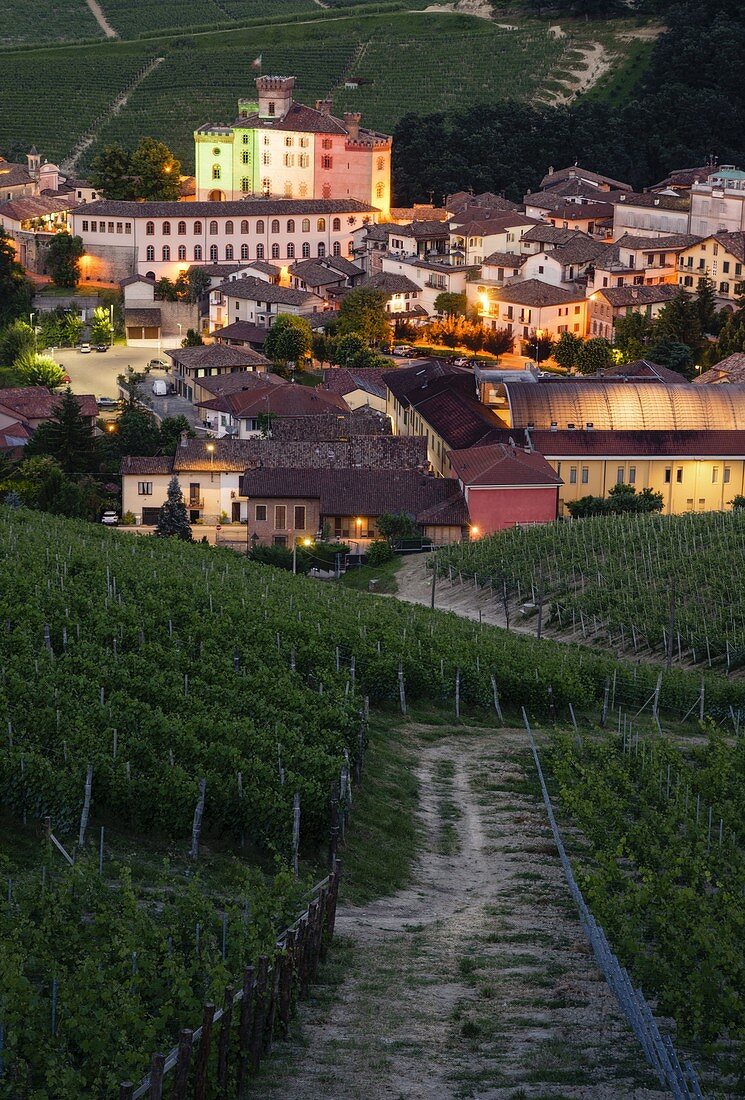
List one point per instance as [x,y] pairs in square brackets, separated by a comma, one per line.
[722,258]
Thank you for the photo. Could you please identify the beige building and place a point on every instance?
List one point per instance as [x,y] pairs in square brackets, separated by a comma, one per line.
[718,203]
[608,304]
[722,258]
[639,261]
[533,307]
[651,215]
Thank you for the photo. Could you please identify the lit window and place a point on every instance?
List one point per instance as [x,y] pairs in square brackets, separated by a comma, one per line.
[305,225]
[228,252]
[321,225]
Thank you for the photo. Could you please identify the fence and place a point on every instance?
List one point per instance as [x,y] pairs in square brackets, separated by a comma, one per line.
[262,1008]
[659,1051]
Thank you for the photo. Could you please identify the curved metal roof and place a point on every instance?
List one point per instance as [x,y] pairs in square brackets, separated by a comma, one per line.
[625,406]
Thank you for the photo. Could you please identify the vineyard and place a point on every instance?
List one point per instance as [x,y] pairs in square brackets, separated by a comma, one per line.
[49,21]
[665,585]
[663,868]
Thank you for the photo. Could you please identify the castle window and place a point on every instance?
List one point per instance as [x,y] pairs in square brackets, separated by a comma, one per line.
[213,252]
[275,225]
[197,227]
[213,227]
[326,162]
[244,225]
[321,225]
[336,225]
[181,229]
[266,185]
[303,160]
[215,152]
[327,143]
[289,160]
[228,252]
[379,189]
[166,229]
[259,252]
[215,171]
[245,139]
[321,249]
[197,252]
[337,248]
[228,227]
[306,250]
[150,253]
[182,252]
[305,225]
[166,252]
[289,141]
[149,229]
[303,190]
[246,157]
[290,225]
[266,158]
[381,163]
[304,142]
[271,106]
[326,191]
[288,189]
[244,251]
[275,251]
[291,251]
[267,139]
[260,225]
[245,185]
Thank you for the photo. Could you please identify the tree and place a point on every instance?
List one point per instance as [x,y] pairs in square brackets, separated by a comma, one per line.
[289,340]
[565,350]
[450,304]
[192,339]
[171,428]
[39,370]
[151,172]
[620,500]
[498,341]
[63,260]
[632,335]
[131,382]
[16,292]
[71,326]
[173,519]
[363,311]
[166,290]
[706,304]
[67,437]
[199,283]
[101,328]
[679,321]
[397,525]
[16,340]
[674,355]
[539,348]
[593,356]
[347,351]
[137,432]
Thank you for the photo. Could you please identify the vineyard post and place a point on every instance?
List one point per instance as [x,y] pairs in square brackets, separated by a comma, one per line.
[574,720]
[285,987]
[86,805]
[670,627]
[656,702]
[457,693]
[223,1042]
[401,690]
[126,1090]
[185,1040]
[701,701]
[541,596]
[197,826]
[495,694]
[434,582]
[200,1072]
[334,843]
[244,1033]
[157,1069]
[604,712]
[257,1030]
[295,830]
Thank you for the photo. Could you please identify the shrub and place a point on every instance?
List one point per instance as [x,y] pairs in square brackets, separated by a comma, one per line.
[380,551]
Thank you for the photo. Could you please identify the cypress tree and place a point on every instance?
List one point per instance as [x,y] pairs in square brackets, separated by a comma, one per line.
[173,519]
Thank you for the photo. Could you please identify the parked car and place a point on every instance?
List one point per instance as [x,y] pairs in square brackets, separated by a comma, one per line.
[111,519]
[160,389]
[85,349]
[157,364]
[102,347]
[107,402]
[403,350]
[462,361]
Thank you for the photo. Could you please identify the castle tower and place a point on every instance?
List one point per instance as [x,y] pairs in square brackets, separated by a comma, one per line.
[275,95]
[34,163]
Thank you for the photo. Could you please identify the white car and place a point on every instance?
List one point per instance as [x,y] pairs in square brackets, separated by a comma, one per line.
[110,519]
[85,349]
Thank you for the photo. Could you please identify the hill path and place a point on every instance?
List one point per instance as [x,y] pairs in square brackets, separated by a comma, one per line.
[476,980]
[98,15]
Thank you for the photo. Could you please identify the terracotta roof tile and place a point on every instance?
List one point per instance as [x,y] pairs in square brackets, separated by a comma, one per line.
[501,464]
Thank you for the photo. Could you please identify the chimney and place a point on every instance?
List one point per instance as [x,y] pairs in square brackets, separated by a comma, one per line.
[550,170]
[184,439]
[324,106]
[352,122]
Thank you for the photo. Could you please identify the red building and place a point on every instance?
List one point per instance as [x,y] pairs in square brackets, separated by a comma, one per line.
[505,485]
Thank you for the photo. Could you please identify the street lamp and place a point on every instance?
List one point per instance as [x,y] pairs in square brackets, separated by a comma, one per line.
[111,325]
[31,318]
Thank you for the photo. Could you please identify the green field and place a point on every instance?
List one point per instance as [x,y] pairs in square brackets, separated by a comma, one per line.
[404,62]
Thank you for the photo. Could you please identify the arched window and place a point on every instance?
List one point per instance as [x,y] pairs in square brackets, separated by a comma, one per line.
[181,229]
[275,251]
[197,251]
[213,228]
[244,225]
[259,252]
[275,225]
[245,185]
[336,225]
[213,251]
[150,275]
[182,252]
[291,251]
[244,251]
[150,229]
[381,163]
[246,158]
[166,229]
[197,227]
[290,225]
[245,139]
[260,225]
[215,171]
[306,225]
[150,254]
[306,250]
[321,225]
[379,190]
[166,252]
[337,248]
[321,249]
[228,228]
[228,252]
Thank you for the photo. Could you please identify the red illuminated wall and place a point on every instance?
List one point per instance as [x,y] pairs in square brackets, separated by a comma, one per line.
[494,509]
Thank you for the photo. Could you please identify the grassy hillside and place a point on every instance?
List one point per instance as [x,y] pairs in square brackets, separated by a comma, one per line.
[405,62]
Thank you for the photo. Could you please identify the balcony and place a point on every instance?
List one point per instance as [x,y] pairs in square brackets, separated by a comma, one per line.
[195,503]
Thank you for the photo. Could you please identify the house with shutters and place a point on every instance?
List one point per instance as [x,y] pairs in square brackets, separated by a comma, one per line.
[609,303]
[721,257]
[258,303]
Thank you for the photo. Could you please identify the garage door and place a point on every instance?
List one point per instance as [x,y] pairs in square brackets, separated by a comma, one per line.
[150,516]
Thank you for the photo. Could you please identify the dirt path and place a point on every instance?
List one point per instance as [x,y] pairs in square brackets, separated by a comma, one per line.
[475,981]
[98,15]
[594,63]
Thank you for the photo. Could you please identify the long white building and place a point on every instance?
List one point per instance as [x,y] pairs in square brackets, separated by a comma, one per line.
[161,239]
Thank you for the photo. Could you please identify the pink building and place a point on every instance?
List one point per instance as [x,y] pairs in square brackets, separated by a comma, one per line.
[505,486]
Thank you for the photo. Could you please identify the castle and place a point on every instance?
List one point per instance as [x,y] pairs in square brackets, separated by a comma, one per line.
[278,148]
